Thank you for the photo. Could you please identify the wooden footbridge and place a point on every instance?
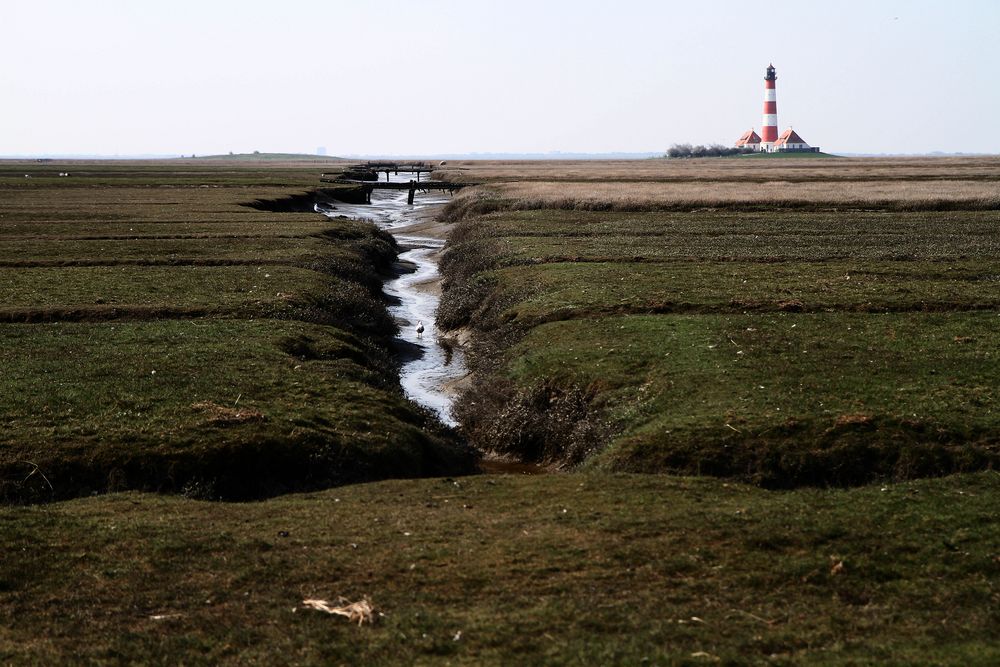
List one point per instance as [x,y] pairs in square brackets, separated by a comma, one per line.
[376,167]
[349,177]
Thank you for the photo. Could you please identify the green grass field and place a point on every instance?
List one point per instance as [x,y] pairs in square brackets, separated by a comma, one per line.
[781,399]
[564,290]
[219,287]
[566,569]
[551,235]
[809,394]
[783,347]
[160,333]
[212,407]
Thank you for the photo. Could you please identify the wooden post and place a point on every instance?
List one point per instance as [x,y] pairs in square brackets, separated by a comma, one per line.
[413,190]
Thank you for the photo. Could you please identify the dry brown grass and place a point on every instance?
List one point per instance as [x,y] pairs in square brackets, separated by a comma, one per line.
[738,183]
[726,169]
[639,195]
[220,415]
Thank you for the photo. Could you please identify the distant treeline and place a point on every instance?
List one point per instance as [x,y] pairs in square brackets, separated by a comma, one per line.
[715,150]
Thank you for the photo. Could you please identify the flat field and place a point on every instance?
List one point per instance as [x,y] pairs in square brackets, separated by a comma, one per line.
[159,333]
[845,354]
[565,570]
[798,169]
[747,335]
[734,184]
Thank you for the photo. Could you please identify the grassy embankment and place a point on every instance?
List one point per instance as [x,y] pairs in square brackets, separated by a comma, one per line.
[784,332]
[159,334]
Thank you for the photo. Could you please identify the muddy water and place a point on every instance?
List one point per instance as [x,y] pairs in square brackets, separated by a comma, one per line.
[429,369]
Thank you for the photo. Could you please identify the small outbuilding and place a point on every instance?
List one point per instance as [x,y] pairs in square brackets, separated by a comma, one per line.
[750,139]
[789,140]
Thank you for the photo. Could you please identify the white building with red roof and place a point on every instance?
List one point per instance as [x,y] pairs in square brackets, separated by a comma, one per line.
[789,140]
[750,139]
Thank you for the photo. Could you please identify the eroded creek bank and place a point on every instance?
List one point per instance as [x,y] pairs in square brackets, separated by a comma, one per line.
[433,370]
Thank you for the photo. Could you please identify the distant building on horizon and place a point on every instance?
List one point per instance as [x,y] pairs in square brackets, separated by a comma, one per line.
[769,141]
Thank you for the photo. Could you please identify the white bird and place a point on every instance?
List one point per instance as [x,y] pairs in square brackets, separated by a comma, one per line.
[420,329]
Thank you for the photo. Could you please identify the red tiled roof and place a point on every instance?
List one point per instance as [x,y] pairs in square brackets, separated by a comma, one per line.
[790,136]
[749,137]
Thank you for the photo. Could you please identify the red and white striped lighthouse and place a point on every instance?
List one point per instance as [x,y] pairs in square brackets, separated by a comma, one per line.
[769,126]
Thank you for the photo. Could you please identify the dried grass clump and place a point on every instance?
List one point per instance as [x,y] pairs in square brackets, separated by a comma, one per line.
[853,420]
[359,612]
[220,415]
[543,423]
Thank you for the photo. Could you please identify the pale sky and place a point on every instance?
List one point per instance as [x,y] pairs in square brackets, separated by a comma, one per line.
[458,76]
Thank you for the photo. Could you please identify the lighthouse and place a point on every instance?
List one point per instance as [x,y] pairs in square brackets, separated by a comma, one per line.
[769,126]
[769,141]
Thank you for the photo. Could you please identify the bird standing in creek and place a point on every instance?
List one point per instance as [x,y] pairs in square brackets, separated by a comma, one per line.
[420,329]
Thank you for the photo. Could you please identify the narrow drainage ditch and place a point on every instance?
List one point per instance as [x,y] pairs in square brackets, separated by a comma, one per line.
[433,364]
